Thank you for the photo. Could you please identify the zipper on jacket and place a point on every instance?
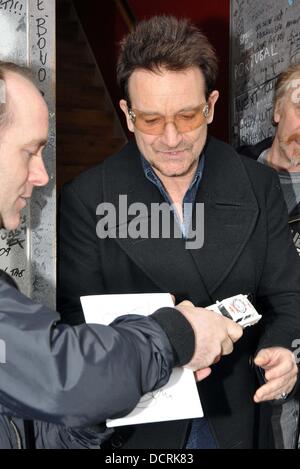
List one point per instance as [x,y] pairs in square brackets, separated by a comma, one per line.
[293,220]
[17,434]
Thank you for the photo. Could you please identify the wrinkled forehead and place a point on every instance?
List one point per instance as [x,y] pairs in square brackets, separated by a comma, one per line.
[289,93]
[294,90]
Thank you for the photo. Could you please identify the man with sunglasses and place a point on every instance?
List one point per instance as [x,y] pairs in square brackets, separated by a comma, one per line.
[64,377]
[167,71]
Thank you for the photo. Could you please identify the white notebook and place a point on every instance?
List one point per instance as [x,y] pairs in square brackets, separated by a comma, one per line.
[179,398]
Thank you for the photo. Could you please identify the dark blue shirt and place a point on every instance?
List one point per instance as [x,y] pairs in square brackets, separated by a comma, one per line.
[190,195]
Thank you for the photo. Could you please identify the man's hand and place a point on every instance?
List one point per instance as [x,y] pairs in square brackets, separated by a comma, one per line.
[281,372]
[214,336]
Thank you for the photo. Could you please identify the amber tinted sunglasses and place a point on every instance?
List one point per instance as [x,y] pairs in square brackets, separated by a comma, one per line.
[184,121]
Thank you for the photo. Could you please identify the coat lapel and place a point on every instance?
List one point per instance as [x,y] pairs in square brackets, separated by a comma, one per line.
[230,211]
[165,261]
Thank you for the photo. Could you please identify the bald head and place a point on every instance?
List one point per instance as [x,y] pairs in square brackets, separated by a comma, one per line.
[22,95]
[23,136]
[16,84]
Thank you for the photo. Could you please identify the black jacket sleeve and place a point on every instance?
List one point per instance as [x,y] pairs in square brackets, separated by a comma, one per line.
[81,375]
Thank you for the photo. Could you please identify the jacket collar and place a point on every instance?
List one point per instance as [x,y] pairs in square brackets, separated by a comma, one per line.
[230,213]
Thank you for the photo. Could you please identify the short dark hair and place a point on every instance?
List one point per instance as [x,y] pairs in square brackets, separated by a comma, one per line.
[165,41]
[5,112]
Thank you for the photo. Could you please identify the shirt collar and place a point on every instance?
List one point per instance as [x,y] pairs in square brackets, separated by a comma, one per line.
[151,175]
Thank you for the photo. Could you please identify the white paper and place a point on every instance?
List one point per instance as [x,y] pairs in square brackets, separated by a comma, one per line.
[179,398]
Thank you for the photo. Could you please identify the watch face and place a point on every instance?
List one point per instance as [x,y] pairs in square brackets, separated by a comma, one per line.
[239,305]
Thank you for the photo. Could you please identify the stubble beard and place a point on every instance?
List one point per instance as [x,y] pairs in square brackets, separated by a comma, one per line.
[161,167]
[292,158]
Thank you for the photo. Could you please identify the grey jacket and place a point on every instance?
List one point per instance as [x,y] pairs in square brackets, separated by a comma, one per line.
[77,377]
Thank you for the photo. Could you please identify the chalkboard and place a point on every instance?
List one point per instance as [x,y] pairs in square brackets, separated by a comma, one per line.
[27,37]
[264,40]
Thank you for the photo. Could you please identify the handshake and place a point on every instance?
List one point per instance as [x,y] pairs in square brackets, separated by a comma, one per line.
[216,329]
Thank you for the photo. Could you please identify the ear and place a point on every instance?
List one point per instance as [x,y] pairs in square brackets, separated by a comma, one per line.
[212,99]
[277,111]
[124,107]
